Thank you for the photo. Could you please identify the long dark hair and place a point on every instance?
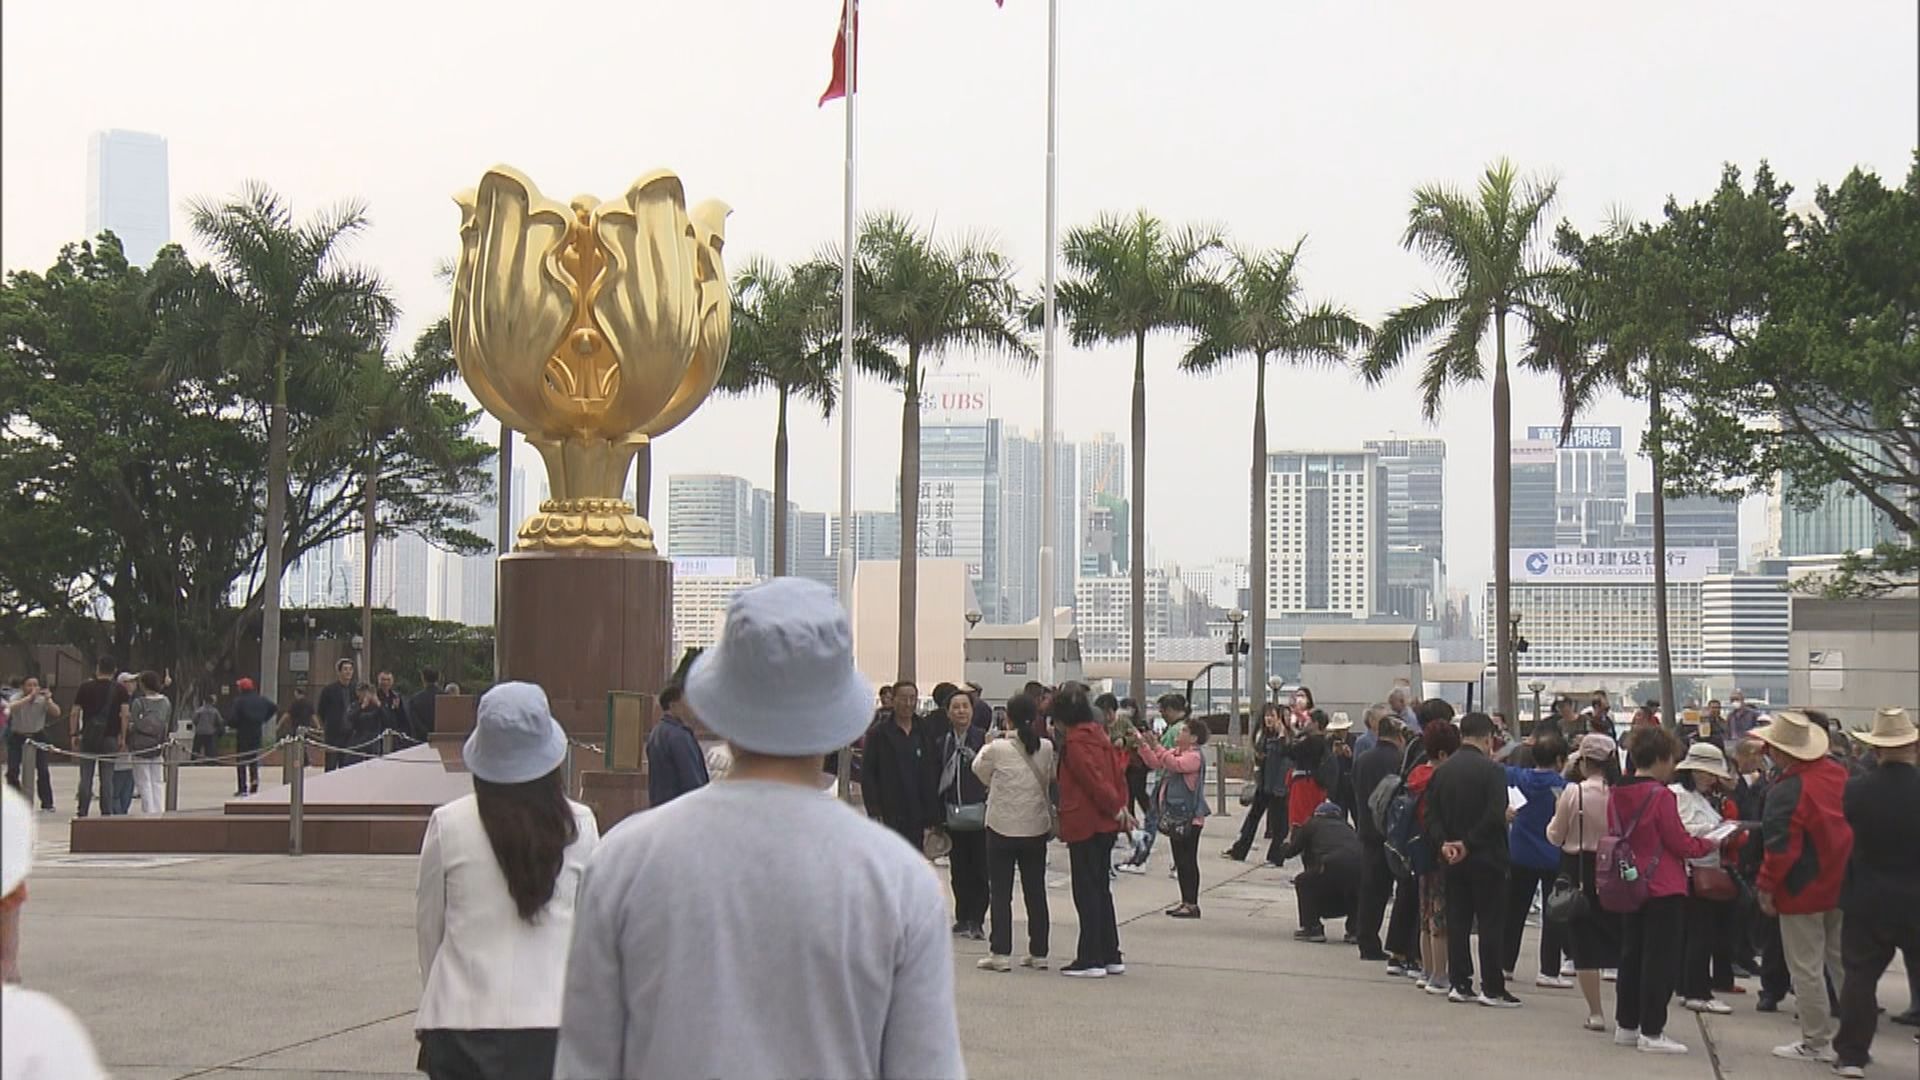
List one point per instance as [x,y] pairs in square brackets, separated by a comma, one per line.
[530,826]
[1021,712]
[1071,707]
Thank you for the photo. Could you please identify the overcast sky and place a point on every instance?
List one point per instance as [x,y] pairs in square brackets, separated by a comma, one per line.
[1276,119]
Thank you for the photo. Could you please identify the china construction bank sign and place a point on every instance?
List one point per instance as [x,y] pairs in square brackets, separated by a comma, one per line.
[1533,566]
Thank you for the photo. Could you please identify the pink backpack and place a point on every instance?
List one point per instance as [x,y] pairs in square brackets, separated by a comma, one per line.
[1618,879]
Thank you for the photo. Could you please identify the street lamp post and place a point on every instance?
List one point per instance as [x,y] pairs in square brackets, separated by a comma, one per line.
[1234,619]
[1273,695]
[1536,686]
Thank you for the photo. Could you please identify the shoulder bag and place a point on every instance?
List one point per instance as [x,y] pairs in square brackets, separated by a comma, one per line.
[960,817]
[1182,820]
[1053,812]
[1567,902]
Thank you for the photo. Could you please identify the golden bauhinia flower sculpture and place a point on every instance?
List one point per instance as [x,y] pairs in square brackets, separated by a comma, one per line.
[590,329]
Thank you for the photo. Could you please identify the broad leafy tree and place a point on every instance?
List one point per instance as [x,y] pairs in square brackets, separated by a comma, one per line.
[1486,246]
[924,299]
[1258,312]
[1131,278]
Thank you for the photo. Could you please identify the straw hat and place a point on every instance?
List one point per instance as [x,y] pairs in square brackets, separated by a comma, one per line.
[1891,727]
[1340,722]
[515,737]
[16,840]
[1793,734]
[1707,758]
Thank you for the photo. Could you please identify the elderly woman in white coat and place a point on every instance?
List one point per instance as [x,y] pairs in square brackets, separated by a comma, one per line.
[1017,767]
[1700,785]
[499,870]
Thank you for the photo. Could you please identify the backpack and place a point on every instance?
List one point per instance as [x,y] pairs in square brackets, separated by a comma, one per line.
[1618,879]
[1380,800]
[152,723]
[1409,853]
[93,726]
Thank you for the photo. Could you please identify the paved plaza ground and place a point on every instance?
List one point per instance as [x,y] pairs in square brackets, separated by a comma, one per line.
[277,967]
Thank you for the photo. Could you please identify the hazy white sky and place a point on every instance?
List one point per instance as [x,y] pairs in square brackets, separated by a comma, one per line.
[1276,119]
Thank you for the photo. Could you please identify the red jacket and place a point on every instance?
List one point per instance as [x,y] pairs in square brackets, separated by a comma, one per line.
[1807,838]
[1093,784]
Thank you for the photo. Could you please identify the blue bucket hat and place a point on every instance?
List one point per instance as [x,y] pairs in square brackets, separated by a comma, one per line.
[781,681]
[515,737]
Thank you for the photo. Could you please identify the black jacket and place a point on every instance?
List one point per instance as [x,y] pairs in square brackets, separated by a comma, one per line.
[971,791]
[1369,769]
[420,709]
[1329,845]
[1467,801]
[897,775]
[1883,877]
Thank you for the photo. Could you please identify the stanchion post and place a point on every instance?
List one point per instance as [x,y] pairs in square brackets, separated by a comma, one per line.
[30,772]
[296,798]
[289,764]
[386,741]
[568,774]
[170,767]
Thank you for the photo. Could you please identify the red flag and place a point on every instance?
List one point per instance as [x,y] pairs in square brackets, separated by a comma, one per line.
[837,84]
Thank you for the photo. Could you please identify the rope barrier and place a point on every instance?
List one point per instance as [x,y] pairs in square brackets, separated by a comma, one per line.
[578,745]
[249,758]
[352,751]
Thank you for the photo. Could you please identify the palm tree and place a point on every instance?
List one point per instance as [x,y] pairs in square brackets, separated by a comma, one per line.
[1616,319]
[279,309]
[1132,278]
[384,404]
[1258,312]
[1487,248]
[927,299]
[786,338]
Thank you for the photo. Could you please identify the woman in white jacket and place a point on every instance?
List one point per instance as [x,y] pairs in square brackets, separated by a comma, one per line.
[1017,766]
[1700,782]
[499,870]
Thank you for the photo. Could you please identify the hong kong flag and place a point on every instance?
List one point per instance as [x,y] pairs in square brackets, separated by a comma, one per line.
[837,84]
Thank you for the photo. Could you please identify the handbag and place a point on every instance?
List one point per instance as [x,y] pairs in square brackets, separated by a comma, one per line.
[1053,812]
[960,817]
[1248,789]
[1176,826]
[1567,902]
[1713,883]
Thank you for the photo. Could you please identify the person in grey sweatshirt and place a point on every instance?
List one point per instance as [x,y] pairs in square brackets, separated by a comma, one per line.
[713,938]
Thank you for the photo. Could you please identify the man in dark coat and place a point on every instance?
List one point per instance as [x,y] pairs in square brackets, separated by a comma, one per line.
[675,763]
[1329,887]
[1380,763]
[896,773]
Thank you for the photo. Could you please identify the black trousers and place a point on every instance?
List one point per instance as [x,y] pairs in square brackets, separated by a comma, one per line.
[246,740]
[16,756]
[1403,926]
[1776,981]
[1523,884]
[1273,810]
[1029,855]
[967,867]
[1089,860]
[1867,945]
[1186,864]
[1376,884]
[1649,964]
[1327,893]
[512,1054]
[1476,893]
[1706,964]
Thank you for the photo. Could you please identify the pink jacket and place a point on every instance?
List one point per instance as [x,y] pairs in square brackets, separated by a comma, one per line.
[1661,844]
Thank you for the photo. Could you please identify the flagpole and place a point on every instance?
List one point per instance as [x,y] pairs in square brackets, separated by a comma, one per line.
[1049,478]
[848,539]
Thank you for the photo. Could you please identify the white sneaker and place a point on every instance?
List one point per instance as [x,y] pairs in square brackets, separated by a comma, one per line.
[1708,1005]
[1804,1051]
[1610,974]
[1437,989]
[1566,969]
[1131,868]
[1552,982]
[1116,969]
[1626,1037]
[1857,1072]
[995,963]
[1458,996]
[1661,1045]
[1420,983]
[1595,1023]
[1037,963]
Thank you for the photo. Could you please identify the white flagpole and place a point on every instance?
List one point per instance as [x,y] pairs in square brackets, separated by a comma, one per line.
[848,555]
[1049,478]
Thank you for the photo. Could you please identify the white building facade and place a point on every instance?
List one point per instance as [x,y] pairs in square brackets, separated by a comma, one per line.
[702,589]
[1326,532]
[1103,616]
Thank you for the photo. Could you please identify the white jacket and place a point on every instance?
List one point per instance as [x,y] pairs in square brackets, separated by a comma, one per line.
[1698,814]
[483,965]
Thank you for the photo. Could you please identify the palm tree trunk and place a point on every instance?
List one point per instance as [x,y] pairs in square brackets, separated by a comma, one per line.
[909,515]
[368,537]
[1137,659]
[1660,549]
[1507,678]
[1257,554]
[276,540]
[780,568]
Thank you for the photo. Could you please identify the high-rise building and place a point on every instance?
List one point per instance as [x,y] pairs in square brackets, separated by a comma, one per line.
[1326,532]
[1692,522]
[1103,468]
[1587,635]
[1103,615]
[710,515]
[959,496]
[876,535]
[702,589]
[1022,520]
[1104,528]
[1590,497]
[1416,473]
[127,191]
[1535,513]
[809,543]
[1744,624]
[1835,520]
[763,560]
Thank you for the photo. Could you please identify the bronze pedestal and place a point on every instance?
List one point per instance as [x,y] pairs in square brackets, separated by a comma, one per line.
[582,623]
